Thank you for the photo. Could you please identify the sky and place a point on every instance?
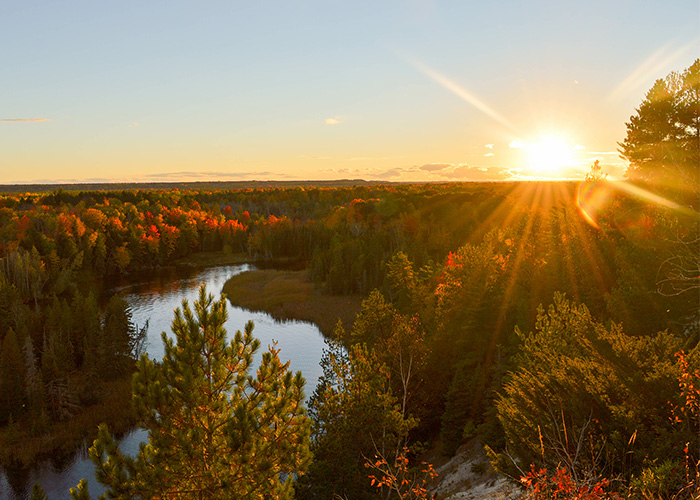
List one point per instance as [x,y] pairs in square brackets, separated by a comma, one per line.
[415,90]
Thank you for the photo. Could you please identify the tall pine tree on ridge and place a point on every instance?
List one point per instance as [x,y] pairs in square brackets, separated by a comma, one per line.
[215,431]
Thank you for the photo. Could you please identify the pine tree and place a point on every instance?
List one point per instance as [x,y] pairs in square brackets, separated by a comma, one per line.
[34,385]
[583,390]
[356,417]
[402,281]
[38,493]
[12,373]
[88,324]
[118,329]
[663,136]
[214,430]
[374,323]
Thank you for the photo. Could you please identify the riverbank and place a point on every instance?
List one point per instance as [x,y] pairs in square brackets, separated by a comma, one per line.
[288,295]
[22,445]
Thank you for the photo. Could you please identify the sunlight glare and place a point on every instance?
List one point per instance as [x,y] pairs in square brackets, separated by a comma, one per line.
[549,155]
[459,91]
[593,197]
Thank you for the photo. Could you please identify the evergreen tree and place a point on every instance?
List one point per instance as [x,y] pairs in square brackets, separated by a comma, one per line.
[88,325]
[214,430]
[663,137]
[121,340]
[38,493]
[588,397]
[12,373]
[401,281]
[118,329]
[374,323]
[355,417]
[34,385]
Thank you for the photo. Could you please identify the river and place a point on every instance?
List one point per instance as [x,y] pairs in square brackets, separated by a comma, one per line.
[154,300]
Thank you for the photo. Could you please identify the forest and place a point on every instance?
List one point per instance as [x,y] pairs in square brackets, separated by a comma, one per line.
[555,323]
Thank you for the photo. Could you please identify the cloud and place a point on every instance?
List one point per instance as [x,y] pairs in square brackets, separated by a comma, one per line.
[394,172]
[433,167]
[183,176]
[578,147]
[465,172]
[354,158]
[73,180]
[332,121]
[489,154]
[516,145]
[337,170]
[369,158]
[30,120]
[212,175]
[488,146]
[307,157]
[135,124]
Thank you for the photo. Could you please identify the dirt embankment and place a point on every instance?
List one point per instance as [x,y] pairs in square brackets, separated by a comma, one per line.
[469,476]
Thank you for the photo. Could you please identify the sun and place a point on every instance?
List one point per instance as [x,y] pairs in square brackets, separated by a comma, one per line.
[550,155]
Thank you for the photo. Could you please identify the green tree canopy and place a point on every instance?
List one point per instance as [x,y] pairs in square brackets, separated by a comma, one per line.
[589,397]
[215,431]
[663,137]
[355,417]
[12,372]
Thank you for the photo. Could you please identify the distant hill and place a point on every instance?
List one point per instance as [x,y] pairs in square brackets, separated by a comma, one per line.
[217,185]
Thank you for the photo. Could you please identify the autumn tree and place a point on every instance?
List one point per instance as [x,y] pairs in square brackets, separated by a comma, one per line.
[399,480]
[215,431]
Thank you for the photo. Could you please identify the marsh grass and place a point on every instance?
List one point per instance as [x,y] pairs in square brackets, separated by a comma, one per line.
[208,259]
[289,295]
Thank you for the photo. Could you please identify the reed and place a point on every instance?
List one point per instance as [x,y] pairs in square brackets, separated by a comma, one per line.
[208,259]
[288,295]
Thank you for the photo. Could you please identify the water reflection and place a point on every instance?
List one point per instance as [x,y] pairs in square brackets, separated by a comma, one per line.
[153,299]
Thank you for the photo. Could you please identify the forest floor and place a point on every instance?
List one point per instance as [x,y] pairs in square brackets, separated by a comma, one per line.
[288,295]
[469,476]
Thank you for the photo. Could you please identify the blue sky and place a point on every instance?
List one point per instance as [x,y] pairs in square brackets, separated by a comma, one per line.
[414,91]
